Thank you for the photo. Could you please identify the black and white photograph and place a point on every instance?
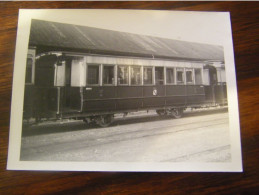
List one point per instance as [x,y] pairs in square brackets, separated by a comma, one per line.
[124,90]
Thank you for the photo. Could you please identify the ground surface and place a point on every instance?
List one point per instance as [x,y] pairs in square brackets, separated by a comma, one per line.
[198,136]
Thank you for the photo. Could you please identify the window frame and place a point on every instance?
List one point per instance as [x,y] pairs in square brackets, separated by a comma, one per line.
[78,71]
[128,73]
[201,73]
[163,72]
[183,76]
[152,75]
[141,74]
[114,74]
[99,74]
[30,55]
[192,76]
[174,73]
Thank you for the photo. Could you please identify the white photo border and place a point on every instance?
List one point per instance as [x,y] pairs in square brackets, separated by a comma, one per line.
[59,15]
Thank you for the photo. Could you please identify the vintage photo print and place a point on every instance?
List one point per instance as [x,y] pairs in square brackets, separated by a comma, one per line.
[124,90]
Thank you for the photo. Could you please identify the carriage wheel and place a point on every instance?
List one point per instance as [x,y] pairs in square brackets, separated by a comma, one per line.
[161,112]
[177,112]
[85,120]
[104,120]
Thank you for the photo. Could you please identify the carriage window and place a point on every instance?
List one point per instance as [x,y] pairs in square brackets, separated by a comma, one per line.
[147,76]
[93,75]
[179,76]
[108,75]
[221,75]
[123,75]
[189,78]
[59,79]
[159,75]
[76,67]
[206,77]
[170,75]
[135,76]
[197,74]
[28,78]
[30,65]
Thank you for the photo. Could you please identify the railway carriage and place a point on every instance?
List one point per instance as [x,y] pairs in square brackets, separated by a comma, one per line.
[68,83]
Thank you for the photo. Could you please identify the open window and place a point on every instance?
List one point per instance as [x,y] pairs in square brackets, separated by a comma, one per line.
[206,77]
[198,78]
[159,75]
[123,75]
[189,76]
[170,78]
[147,76]
[108,75]
[135,76]
[180,75]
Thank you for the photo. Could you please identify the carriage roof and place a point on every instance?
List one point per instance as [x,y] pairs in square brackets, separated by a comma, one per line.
[107,42]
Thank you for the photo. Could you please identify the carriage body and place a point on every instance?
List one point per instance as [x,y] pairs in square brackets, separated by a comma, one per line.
[64,84]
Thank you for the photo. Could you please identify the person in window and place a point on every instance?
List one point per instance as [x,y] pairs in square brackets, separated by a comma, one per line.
[122,75]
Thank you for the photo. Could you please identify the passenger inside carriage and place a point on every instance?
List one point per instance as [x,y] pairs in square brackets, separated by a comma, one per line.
[108,75]
[147,76]
[122,75]
[135,76]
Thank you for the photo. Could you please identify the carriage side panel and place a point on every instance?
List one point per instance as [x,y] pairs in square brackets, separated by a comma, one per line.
[175,95]
[97,98]
[129,97]
[153,96]
[195,94]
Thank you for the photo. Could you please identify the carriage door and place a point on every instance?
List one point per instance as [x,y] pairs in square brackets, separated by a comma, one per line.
[70,78]
[76,79]
[159,89]
[59,83]
[45,94]
[212,82]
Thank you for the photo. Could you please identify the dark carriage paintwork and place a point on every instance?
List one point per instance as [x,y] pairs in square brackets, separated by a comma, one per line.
[221,93]
[40,102]
[80,101]
[118,98]
[28,105]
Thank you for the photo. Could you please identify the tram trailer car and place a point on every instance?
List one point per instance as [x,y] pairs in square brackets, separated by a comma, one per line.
[93,87]
[67,78]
